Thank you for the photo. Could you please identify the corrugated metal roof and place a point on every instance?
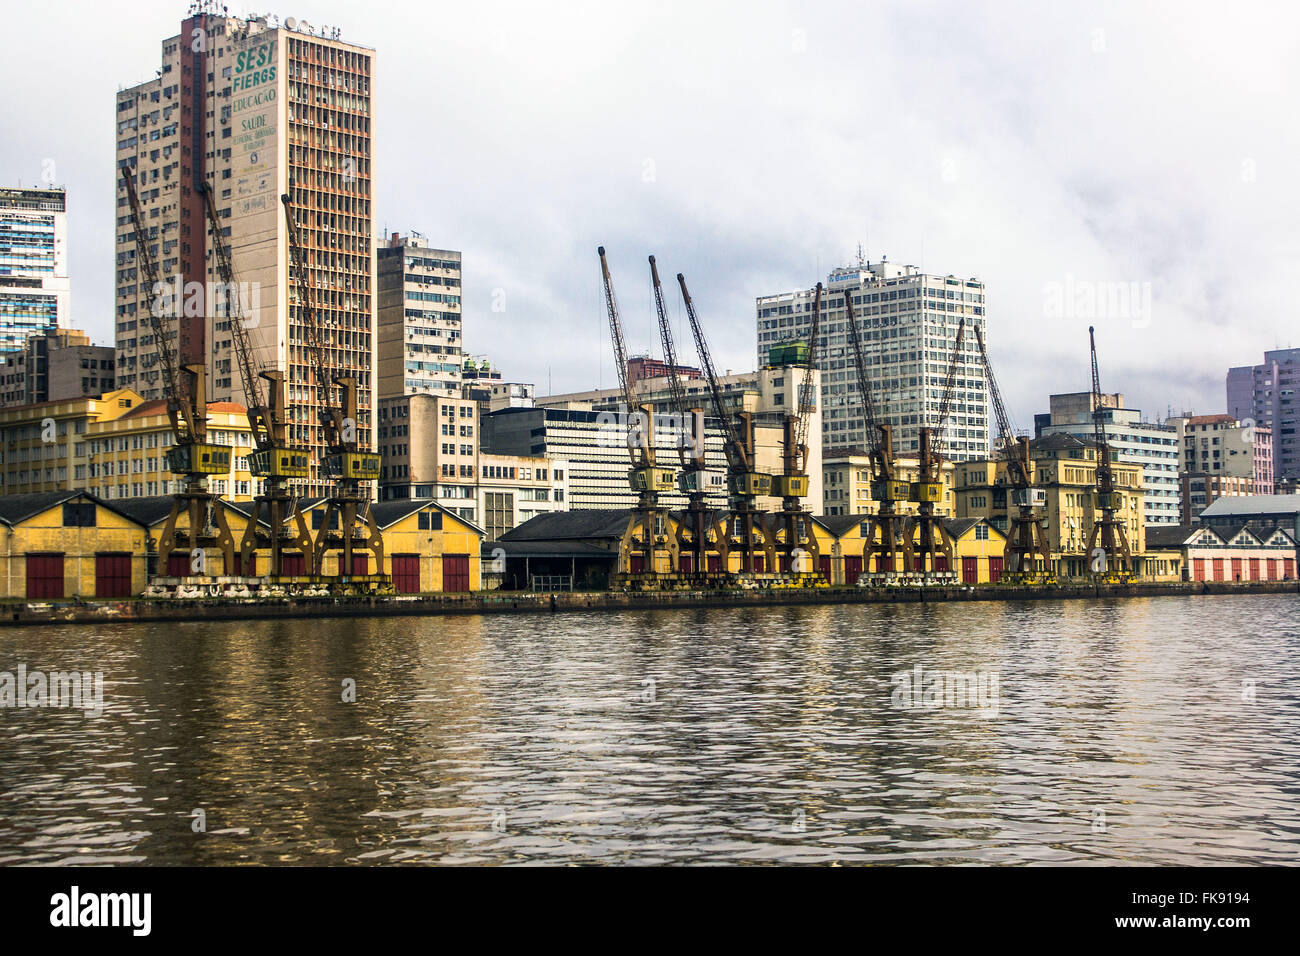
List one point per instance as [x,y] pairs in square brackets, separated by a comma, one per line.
[1252,506]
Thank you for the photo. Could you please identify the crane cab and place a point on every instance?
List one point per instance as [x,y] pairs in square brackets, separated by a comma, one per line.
[1110,501]
[690,482]
[890,490]
[1029,498]
[279,463]
[351,466]
[199,458]
[925,492]
[750,484]
[790,486]
[651,478]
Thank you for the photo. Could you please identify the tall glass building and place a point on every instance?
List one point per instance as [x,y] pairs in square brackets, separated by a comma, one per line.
[34,287]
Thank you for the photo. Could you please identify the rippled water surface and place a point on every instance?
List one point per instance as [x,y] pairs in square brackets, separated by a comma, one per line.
[1124,733]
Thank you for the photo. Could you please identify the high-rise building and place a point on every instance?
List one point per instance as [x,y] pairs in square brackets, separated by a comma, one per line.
[907,321]
[1153,445]
[253,108]
[1266,394]
[35,293]
[418,318]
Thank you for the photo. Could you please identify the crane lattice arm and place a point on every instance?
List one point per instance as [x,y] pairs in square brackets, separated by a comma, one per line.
[807,393]
[331,415]
[259,419]
[686,449]
[945,400]
[738,458]
[641,453]
[1105,478]
[185,427]
[1019,476]
[883,457]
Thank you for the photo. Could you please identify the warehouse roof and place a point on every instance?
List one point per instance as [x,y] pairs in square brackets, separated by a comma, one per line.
[583,523]
[1249,506]
[18,508]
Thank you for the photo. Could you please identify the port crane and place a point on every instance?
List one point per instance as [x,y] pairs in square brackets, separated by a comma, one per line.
[794,525]
[191,455]
[698,533]
[648,526]
[1108,534]
[1026,553]
[347,524]
[926,532]
[744,482]
[274,460]
[887,541]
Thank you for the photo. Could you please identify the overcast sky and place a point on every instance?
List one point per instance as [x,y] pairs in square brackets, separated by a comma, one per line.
[1046,148]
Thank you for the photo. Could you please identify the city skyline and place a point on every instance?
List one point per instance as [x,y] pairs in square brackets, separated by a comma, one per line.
[573,128]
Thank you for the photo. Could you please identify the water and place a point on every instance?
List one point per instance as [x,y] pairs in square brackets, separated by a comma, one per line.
[1123,734]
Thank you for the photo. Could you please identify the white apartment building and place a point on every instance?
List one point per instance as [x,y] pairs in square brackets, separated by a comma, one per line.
[254,108]
[907,321]
[419,318]
[35,292]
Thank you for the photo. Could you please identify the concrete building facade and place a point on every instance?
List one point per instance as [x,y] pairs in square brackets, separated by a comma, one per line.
[54,365]
[35,291]
[908,325]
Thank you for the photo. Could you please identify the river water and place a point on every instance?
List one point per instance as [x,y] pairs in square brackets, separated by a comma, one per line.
[1162,730]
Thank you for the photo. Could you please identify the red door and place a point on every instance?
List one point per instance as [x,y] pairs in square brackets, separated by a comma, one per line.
[1236,569]
[969,571]
[45,575]
[824,566]
[112,575]
[715,563]
[360,564]
[292,564]
[1272,568]
[760,563]
[995,570]
[1198,569]
[455,572]
[1218,568]
[941,562]
[249,567]
[1254,569]
[406,573]
[178,564]
[1288,568]
[637,565]
[852,568]
[687,563]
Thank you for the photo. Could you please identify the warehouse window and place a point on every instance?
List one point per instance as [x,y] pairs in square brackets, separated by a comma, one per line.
[79,514]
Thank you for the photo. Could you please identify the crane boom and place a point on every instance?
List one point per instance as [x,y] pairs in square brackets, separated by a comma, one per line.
[738,456]
[1018,473]
[879,444]
[807,396]
[689,452]
[945,400]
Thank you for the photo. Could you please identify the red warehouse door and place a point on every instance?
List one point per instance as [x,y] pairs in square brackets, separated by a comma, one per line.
[1254,569]
[112,575]
[360,564]
[969,571]
[292,564]
[941,562]
[824,566]
[687,563]
[1218,568]
[852,569]
[178,564]
[1288,568]
[406,573]
[45,575]
[995,570]
[715,563]
[455,572]
[1198,569]
[1272,568]
[636,564]
[1236,569]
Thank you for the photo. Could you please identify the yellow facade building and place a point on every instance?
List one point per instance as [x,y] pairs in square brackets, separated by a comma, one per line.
[1065,467]
[846,484]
